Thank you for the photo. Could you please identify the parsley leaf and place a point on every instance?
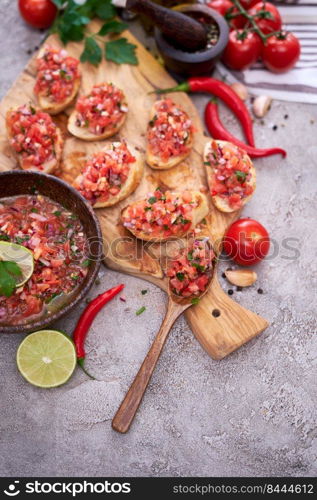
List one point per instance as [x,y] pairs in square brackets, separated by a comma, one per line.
[140,311]
[92,52]
[121,51]
[180,276]
[152,200]
[195,300]
[241,176]
[59,3]
[112,26]
[8,270]
[143,292]
[105,10]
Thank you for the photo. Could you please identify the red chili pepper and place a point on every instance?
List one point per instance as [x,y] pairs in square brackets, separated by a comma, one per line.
[218,131]
[224,92]
[87,318]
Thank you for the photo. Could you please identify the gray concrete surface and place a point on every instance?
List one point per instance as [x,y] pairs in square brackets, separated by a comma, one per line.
[253,413]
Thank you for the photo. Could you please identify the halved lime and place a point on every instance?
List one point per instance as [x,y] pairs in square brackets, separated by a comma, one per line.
[46,358]
[22,256]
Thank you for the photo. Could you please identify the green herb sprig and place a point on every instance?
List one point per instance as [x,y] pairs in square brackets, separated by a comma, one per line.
[71,26]
[8,271]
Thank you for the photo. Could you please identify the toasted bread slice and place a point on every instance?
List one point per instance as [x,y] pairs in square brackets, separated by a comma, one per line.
[50,165]
[220,202]
[198,214]
[155,161]
[130,185]
[86,135]
[47,104]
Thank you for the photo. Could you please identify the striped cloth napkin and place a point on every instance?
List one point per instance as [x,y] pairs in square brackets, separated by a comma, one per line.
[299,84]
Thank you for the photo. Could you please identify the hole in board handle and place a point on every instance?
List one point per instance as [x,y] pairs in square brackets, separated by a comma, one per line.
[216,313]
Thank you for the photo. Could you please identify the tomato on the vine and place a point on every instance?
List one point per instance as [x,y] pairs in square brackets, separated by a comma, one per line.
[221,6]
[267,17]
[246,242]
[247,4]
[243,49]
[38,13]
[281,52]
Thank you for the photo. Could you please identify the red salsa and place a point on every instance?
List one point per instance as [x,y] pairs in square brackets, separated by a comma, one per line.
[56,74]
[33,135]
[169,131]
[190,272]
[161,214]
[231,173]
[105,173]
[102,109]
[56,238]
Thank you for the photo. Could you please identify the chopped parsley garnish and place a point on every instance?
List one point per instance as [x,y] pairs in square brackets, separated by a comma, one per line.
[195,300]
[4,237]
[34,210]
[85,263]
[144,292]
[207,163]
[190,255]
[147,208]
[165,227]
[20,240]
[180,276]
[241,176]
[152,200]
[51,297]
[140,311]
[198,267]
[57,213]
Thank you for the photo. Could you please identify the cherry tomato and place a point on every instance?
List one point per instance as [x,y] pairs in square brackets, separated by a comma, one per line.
[281,52]
[267,18]
[243,49]
[38,13]
[246,242]
[247,4]
[221,6]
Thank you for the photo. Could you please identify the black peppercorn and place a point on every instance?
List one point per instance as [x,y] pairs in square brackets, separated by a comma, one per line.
[285,117]
[260,291]
[274,127]
[223,275]
[230,292]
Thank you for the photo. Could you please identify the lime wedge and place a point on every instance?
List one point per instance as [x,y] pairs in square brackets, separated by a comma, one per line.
[22,256]
[46,358]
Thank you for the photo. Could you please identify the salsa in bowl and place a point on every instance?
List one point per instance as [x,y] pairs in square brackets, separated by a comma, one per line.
[59,233]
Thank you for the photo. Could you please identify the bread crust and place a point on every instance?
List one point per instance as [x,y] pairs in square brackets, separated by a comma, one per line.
[156,163]
[199,213]
[130,185]
[53,108]
[50,165]
[219,202]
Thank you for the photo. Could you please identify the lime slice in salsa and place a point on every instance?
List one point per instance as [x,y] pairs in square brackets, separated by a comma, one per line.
[46,358]
[22,256]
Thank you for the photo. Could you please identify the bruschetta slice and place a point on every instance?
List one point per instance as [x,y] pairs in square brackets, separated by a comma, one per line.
[191,269]
[169,135]
[110,175]
[99,114]
[162,216]
[58,79]
[231,175]
[35,138]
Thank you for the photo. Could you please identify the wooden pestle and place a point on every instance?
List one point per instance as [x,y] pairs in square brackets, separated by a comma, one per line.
[184,31]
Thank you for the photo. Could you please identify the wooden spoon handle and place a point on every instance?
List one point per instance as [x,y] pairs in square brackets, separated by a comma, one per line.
[183,30]
[128,408]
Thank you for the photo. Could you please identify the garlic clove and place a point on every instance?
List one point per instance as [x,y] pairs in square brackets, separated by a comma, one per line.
[261,105]
[240,90]
[241,277]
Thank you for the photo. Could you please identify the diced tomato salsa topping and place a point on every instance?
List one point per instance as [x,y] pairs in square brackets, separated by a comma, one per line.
[59,246]
[56,74]
[191,270]
[231,173]
[161,214]
[102,109]
[105,173]
[34,135]
[169,130]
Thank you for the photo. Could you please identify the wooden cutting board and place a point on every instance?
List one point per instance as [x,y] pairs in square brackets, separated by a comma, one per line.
[235,325]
